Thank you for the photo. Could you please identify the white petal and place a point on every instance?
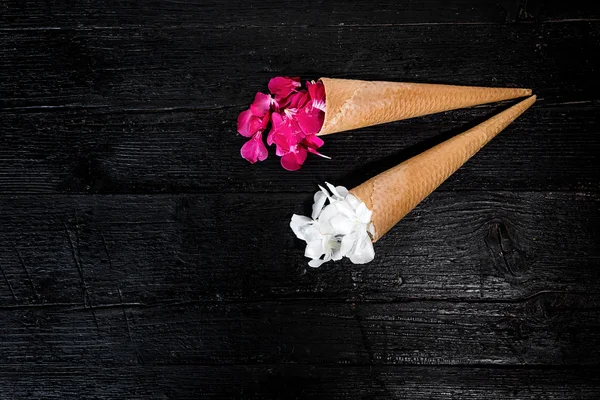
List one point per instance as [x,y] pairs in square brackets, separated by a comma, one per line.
[334,191]
[298,224]
[315,263]
[352,201]
[324,219]
[364,214]
[361,258]
[312,232]
[363,252]
[362,238]
[314,249]
[325,228]
[341,224]
[345,208]
[331,200]
[320,199]
[348,243]
[342,191]
[336,255]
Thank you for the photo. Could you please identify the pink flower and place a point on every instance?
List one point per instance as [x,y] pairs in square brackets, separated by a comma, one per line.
[281,87]
[296,116]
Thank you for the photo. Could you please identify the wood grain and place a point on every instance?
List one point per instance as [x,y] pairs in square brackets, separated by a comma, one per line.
[548,148]
[213,67]
[298,382]
[155,249]
[130,13]
[544,330]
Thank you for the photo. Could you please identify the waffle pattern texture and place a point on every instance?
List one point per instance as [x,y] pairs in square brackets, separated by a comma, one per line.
[353,104]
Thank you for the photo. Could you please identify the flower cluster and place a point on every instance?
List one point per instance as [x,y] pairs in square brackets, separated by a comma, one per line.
[296,116]
[341,228]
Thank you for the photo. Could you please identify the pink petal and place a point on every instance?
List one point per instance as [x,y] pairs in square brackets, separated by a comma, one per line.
[265,120]
[316,91]
[254,149]
[280,151]
[248,124]
[298,100]
[289,128]
[310,119]
[284,103]
[261,104]
[313,141]
[270,136]
[281,86]
[285,132]
[276,120]
[283,141]
[292,161]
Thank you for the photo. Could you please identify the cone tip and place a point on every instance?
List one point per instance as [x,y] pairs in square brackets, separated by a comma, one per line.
[530,100]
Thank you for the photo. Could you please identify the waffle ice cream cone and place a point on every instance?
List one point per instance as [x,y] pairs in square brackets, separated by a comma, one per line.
[394,193]
[353,104]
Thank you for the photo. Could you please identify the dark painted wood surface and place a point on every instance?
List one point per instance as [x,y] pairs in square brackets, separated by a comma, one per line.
[141,257]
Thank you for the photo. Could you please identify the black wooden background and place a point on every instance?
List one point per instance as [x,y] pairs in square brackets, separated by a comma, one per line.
[142,257]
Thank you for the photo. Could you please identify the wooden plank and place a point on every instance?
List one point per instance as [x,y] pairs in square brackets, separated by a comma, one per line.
[559,10]
[210,68]
[546,330]
[122,14]
[296,382]
[157,249]
[154,13]
[551,148]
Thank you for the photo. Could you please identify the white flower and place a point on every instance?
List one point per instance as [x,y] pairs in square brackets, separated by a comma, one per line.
[339,229]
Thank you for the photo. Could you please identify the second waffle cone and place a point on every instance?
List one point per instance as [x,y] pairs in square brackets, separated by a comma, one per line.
[394,193]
